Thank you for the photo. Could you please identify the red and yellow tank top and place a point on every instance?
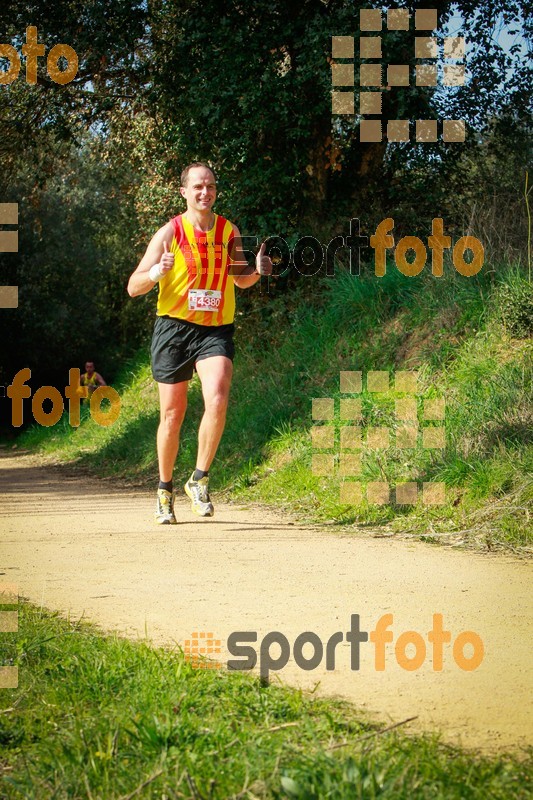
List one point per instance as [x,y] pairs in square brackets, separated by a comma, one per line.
[199,288]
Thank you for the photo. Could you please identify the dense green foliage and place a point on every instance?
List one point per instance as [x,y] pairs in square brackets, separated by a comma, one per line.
[515,303]
[94,164]
[102,717]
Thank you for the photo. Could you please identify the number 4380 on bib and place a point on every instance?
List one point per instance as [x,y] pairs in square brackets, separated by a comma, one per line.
[204,300]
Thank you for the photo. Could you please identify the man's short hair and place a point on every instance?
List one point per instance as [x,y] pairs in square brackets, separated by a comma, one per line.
[185,173]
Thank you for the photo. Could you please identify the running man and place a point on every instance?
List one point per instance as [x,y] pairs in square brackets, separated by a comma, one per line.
[196,259]
[91,379]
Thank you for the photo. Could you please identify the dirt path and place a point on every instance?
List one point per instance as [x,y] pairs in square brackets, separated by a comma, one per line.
[75,545]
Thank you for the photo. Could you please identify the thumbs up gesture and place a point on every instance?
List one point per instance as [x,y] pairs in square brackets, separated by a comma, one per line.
[167,260]
[263,263]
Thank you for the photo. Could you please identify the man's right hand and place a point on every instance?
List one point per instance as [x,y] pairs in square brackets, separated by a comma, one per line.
[167,260]
[164,265]
[155,264]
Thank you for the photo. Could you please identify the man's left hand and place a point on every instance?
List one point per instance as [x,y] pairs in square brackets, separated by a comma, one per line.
[263,263]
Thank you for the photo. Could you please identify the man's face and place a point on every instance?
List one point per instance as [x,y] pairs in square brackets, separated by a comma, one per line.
[89,367]
[200,192]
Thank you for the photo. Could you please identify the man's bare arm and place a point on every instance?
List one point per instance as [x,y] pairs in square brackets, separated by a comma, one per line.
[157,252]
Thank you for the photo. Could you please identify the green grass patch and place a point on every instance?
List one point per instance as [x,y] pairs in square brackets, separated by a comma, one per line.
[468,338]
[101,717]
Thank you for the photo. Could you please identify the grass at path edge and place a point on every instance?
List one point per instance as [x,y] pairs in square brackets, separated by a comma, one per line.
[99,717]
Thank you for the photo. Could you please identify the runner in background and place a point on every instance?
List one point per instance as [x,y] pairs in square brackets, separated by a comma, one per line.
[91,379]
[196,259]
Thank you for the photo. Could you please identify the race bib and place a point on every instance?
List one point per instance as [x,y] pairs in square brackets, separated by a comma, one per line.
[204,300]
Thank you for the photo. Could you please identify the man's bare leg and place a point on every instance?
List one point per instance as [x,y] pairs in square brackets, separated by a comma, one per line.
[215,375]
[173,404]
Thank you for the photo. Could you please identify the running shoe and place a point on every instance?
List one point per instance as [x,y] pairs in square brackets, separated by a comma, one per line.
[198,491]
[164,511]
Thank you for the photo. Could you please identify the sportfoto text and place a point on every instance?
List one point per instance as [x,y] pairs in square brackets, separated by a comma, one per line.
[32,50]
[309,255]
[380,637]
[18,390]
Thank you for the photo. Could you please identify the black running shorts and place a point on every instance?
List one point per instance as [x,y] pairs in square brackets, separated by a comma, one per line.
[177,345]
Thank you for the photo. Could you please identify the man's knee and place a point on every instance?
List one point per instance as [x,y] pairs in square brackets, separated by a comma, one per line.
[216,402]
[172,418]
